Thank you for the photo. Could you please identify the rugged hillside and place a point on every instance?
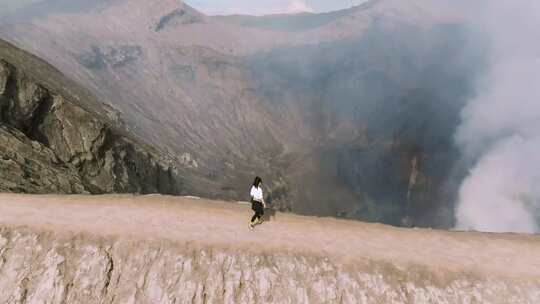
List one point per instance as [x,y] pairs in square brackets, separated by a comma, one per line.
[123,249]
[56,138]
[330,109]
[193,103]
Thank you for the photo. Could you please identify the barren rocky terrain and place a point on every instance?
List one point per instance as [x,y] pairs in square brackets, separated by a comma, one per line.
[158,249]
[349,113]
[345,114]
[57,138]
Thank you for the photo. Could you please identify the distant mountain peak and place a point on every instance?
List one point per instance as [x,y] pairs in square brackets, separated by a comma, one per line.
[181,15]
[415,11]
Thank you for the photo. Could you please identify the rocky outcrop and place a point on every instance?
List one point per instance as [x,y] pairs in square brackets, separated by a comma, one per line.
[183,16]
[29,166]
[115,57]
[49,143]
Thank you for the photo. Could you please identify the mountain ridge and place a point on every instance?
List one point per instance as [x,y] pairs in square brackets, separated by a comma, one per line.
[155,249]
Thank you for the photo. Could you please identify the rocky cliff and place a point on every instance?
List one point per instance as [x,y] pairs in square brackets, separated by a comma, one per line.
[56,138]
[163,250]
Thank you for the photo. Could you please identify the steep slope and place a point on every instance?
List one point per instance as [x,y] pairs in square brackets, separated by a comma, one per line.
[335,99]
[57,138]
[382,111]
[123,249]
[191,102]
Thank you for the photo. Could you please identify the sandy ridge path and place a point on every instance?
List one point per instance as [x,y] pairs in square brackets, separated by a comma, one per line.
[214,223]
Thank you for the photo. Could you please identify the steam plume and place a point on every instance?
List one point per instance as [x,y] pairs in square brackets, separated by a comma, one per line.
[500,130]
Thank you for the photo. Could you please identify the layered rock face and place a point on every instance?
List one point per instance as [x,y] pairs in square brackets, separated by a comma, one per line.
[158,253]
[79,269]
[50,143]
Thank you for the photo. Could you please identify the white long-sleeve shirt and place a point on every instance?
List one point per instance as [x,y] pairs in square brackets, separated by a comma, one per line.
[256,193]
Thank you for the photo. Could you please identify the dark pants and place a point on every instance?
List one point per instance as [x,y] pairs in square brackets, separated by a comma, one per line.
[259,210]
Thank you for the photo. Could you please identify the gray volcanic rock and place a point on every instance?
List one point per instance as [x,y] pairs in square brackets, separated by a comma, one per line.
[4,74]
[50,143]
[29,166]
[116,57]
[183,16]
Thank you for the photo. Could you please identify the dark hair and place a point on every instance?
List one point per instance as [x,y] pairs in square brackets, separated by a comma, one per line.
[257,181]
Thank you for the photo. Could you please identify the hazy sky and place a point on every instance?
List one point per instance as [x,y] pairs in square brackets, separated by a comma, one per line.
[261,7]
[212,7]
[8,6]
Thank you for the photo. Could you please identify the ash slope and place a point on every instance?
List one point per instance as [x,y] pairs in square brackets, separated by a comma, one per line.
[349,114]
[154,249]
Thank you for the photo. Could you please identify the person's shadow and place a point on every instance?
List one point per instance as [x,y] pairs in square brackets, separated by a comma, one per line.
[269,214]
[269,211]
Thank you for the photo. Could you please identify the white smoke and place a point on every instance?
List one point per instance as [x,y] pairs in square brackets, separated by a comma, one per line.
[500,129]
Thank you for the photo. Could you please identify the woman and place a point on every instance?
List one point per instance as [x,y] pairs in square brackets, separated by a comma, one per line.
[257,202]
